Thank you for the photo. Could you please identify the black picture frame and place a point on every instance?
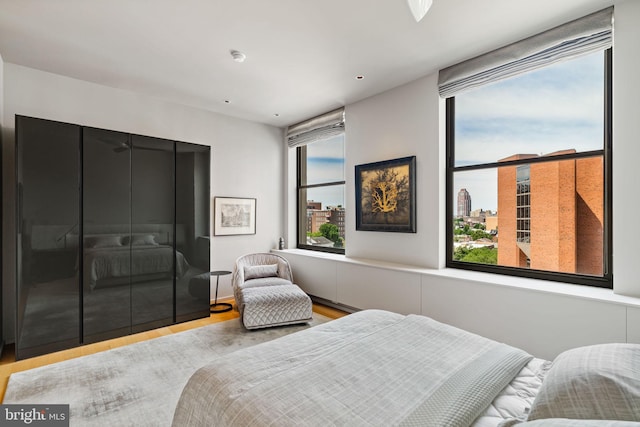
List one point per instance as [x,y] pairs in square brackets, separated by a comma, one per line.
[386,195]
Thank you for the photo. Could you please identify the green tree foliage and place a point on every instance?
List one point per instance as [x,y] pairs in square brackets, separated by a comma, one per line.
[477,255]
[475,233]
[330,231]
[479,234]
[463,230]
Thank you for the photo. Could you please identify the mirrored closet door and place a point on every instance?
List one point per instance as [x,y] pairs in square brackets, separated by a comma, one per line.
[47,250]
[113,234]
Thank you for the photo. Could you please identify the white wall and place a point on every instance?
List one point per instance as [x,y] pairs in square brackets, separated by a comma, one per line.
[542,317]
[399,123]
[247,157]
[626,149]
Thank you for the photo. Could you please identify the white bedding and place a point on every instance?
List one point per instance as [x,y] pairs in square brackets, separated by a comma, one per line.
[517,397]
[369,368]
[125,261]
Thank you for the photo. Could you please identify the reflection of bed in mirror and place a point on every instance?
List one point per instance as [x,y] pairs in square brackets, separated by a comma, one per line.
[113,256]
[114,259]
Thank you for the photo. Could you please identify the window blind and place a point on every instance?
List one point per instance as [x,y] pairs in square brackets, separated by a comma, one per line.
[578,37]
[316,129]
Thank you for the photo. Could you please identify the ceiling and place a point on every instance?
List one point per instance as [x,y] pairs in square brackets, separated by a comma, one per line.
[303,56]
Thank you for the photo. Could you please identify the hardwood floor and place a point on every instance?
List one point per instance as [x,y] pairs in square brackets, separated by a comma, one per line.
[9,365]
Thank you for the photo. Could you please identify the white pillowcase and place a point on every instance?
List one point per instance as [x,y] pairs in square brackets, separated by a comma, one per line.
[564,422]
[599,382]
[143,240]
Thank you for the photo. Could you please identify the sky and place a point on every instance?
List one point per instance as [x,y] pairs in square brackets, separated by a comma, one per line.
[555,108]
[325,163]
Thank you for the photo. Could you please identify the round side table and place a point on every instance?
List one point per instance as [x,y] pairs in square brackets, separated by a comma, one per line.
[219,307]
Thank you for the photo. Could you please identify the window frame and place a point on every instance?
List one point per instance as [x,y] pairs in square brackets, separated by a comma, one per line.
[604,281]
[301,205]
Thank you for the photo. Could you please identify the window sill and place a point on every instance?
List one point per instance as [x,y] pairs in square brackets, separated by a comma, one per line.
[535,285]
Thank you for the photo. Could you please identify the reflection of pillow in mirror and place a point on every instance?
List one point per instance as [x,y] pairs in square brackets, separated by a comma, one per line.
[103,241]
[259,271]
[143,240]
[599,382]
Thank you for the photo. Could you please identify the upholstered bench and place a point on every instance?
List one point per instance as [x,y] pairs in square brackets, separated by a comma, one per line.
[265,294]
[265,306]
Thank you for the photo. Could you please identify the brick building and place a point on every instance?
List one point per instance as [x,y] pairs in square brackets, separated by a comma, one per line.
[314,205]
[337,217]
[315,218]
[551,214]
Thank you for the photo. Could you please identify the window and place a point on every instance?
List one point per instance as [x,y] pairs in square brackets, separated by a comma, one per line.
[532,150]
[321,185]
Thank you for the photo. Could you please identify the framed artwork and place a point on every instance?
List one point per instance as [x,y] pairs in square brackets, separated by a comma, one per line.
[386,196]
[233,216]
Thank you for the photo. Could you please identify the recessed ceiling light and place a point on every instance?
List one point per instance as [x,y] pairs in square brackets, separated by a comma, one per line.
[359,77]
[238,56]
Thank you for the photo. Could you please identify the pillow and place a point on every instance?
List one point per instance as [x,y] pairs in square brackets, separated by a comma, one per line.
[106,241]
[600,382]
[564,422]
[258,271]
[143,240]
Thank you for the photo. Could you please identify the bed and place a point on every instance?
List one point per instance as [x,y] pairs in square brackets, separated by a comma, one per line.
[374,368]
[113,259]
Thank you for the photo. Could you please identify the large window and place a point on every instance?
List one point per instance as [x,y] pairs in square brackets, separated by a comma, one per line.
[321,183]
[532,151]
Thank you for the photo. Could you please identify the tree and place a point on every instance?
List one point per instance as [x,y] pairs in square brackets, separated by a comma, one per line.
[330,231]
[477,255]
[479,234]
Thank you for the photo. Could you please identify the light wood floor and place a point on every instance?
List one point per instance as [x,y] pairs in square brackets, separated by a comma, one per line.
[9,365]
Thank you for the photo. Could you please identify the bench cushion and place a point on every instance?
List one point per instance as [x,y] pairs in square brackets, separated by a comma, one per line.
[266,306]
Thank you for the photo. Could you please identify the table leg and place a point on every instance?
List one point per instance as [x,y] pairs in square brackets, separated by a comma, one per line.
[219,307]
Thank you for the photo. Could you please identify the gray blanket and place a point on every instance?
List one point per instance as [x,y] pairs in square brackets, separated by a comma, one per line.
[372,368]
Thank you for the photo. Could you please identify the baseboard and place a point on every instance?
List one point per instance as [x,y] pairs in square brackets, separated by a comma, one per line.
[332,304]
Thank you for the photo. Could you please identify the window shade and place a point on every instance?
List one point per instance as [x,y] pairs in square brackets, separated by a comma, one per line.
[316,129]
[582,36]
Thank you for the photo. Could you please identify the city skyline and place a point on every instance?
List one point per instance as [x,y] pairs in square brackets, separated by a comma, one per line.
[551,109]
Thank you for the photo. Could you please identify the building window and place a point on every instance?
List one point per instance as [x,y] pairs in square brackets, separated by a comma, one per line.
[523,205]
[321,188]
[533,152]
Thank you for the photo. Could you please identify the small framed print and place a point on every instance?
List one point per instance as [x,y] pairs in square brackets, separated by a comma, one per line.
[234,216]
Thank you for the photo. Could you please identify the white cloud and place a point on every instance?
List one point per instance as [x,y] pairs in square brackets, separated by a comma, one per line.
[556,108]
